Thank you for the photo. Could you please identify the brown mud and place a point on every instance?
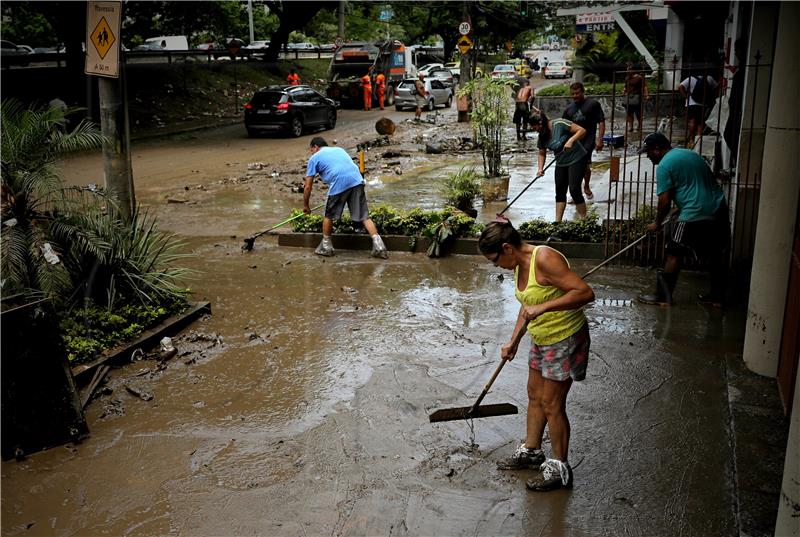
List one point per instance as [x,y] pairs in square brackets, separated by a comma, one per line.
[300,407]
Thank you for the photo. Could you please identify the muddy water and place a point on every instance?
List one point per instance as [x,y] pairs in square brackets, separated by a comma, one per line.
[308,414]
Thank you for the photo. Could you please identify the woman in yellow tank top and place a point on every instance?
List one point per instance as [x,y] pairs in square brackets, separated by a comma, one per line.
[552,297]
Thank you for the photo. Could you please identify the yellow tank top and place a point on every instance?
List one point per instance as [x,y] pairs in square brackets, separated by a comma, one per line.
[553,326]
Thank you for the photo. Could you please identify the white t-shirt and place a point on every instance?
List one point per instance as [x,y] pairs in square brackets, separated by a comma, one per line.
[689,84]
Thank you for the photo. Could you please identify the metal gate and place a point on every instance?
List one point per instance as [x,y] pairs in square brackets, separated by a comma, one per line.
[729,143]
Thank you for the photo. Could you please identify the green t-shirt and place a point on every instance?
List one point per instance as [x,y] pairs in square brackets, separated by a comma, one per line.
[697,193]
[558,137]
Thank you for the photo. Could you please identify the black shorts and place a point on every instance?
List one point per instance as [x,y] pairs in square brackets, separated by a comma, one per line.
[356,202]
[696,112]
[521,113]
[699,238]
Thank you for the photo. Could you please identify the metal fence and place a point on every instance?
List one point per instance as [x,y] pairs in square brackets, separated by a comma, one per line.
[729,142]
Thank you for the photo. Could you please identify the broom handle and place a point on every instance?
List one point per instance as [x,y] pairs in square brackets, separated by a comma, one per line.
[517,339]
[295,217]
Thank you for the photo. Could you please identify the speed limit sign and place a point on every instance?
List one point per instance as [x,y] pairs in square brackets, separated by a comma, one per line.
[464,28]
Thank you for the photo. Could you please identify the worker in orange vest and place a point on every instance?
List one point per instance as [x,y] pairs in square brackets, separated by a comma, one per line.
[293,79]
[366,85]
[380,80]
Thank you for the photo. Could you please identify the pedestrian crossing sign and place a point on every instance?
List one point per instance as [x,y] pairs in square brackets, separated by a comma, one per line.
[103,38]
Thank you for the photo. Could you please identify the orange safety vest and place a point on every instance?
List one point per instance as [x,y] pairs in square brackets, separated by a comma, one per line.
[293,79]
[380,80]
[366,82]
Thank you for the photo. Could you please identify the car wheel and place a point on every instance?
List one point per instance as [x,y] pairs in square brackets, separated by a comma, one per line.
[449,102]
[389,96]
[296,127]
[430,106]
[331,119]
[398,108]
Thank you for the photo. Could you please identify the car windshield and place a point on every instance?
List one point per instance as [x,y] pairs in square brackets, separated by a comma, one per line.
[555,64]
[269,98]
[407,83]
[504,68]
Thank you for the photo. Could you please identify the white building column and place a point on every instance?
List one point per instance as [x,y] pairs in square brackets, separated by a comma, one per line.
[788,523]
[778,202]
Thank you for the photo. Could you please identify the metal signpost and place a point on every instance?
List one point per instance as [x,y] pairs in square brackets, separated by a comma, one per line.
[103,24]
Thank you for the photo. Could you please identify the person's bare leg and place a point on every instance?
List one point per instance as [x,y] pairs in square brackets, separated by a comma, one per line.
[586,176]
[535,420]
[554,404]
[560,206]
[581,208]
[327,227]
[370,226]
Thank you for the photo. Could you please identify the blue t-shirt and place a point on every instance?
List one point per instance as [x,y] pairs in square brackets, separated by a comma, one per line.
[336,168]
[697,193]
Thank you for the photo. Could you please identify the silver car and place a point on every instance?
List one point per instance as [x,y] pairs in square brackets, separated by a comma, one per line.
[438,94]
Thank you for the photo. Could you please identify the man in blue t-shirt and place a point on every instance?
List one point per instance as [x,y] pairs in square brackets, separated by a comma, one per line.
[700,226]
[346,187]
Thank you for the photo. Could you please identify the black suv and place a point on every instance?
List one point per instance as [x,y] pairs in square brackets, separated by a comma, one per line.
[288,108]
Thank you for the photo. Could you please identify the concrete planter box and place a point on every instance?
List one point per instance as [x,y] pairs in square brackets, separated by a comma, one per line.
[402,243]
[149,339]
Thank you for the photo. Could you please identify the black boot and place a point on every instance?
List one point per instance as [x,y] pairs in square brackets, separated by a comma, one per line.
[665,285]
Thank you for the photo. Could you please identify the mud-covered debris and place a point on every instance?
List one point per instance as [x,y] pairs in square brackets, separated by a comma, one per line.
[385,126]
[434,148]
[256,166]
[394,154]
[349,289]
[112,407]
[176,200]
[138,392]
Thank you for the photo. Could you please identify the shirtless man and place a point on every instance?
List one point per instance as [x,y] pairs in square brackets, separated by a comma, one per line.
[522,109]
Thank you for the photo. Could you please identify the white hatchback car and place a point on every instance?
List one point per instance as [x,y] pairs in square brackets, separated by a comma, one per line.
[504,70]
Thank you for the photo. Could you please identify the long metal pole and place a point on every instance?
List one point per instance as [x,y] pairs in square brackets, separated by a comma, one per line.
[250,18]
[341,18]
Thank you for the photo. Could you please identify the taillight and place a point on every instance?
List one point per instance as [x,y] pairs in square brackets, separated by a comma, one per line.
[283,106]
[248,106]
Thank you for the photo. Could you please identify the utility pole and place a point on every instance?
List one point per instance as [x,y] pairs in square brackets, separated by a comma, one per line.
[465,70]
[341,18]
[250,17]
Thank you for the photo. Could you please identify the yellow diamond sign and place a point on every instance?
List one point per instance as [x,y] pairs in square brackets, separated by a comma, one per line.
[103,38]
[464,44]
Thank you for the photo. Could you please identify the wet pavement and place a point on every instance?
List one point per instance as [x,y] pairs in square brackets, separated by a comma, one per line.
[303,406]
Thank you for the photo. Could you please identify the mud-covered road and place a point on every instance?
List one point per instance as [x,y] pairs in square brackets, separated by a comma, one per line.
[300,407]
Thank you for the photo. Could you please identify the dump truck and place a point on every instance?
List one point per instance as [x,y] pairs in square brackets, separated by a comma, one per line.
[352,61]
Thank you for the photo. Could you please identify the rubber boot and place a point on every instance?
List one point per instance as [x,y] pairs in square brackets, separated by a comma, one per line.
[325,247]
[378,248]
[665,285]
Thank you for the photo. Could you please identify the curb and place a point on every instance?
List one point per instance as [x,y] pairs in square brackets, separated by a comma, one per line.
[149,338]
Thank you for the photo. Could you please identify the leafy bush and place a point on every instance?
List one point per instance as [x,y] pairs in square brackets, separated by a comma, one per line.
[391,221]
[584,230]
[461,188]
[600,88]
[89,330]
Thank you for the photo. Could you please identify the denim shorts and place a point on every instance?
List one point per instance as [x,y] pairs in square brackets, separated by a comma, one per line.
[563,359]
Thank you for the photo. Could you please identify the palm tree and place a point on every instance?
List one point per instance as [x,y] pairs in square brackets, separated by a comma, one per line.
[71,244]
[32,197]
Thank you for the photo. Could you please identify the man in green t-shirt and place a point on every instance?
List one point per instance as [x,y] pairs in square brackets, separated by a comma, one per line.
[699,226]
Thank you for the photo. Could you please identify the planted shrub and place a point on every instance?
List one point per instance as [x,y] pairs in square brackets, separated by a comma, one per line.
[584,230]
[461,188]
[391,221]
